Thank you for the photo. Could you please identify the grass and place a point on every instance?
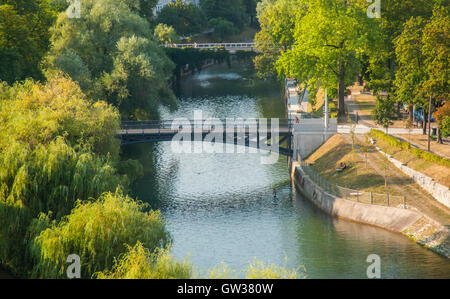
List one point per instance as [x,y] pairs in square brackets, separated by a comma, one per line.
[357,176]
[427,163]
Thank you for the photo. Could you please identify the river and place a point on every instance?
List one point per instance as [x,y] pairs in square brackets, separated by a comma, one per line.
[231,208]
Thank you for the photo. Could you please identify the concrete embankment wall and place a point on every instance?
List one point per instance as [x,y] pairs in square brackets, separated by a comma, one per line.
[415,225]
[310,134]
[391,218]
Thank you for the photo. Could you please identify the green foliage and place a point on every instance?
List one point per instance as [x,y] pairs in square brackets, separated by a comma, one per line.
[277,21]
[384,112]
[222,28]
[382,65]
[185,18]
[330,38]
[139,263]
[24,37]
[442,116]
[258,270]
[99,231]
[135,84]
[422,50]
[33,113]
[56,147]
[233,11]
[165,34]
[101,63]
[405,146]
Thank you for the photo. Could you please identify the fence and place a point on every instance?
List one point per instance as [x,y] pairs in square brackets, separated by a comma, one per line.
[351,194]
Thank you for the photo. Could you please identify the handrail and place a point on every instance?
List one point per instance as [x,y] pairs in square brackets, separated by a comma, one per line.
[352,194]
[211,45]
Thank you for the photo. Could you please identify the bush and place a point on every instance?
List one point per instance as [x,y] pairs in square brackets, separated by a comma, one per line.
[139,263]
[98,232]
[420,154]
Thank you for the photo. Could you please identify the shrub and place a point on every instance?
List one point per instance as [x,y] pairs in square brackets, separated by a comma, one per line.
[139,263]
[420,154]
[98,232]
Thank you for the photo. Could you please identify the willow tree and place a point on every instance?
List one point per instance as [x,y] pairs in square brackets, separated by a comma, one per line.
[56,147]
[330,40]
[88,50]
[98,232]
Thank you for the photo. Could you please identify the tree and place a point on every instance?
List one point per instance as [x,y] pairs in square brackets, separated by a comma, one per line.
[250,9]
[93,57]
[233,11]
[185,18]
[411,73]
[222,28]
[422,51]
[56,147]
[98,232]
[436,51]
[442,116]
[24,37]
[384,112]
[382,65]
[165,34]
[136,67]
[277,20]
[330,40]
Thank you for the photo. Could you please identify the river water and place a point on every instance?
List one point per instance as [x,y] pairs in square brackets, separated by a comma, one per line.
[232,208]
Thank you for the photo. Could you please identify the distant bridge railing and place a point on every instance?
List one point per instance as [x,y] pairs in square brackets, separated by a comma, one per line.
[212,45]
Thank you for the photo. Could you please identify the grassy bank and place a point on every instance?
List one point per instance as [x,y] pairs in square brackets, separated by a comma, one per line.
[358,175]
[427,163]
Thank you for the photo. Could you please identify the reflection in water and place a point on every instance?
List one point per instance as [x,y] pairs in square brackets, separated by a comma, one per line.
[231,208]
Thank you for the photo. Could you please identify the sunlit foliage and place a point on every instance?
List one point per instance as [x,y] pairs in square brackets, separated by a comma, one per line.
[112,53]
[140,263]
[98,232]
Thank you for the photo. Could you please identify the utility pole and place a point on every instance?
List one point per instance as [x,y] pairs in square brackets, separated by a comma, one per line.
[429,125]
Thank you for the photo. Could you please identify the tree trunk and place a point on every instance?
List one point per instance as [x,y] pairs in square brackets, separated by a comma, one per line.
[411,112]
[341,92]
[439,136]
[424,123]
[429,125]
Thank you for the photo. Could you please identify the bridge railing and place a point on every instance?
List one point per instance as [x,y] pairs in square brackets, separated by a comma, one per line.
[352,194]
[211,45]
[225,123]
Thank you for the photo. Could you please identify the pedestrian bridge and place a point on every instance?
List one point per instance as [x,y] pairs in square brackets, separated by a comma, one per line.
[227,46]
[266,134]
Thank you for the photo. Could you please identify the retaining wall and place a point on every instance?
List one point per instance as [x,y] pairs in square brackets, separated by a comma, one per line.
[391,218]
[440,192]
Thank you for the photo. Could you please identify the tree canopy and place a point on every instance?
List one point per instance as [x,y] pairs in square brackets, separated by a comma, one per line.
[94,51]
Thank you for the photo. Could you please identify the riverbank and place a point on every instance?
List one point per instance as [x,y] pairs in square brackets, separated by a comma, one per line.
[366,172]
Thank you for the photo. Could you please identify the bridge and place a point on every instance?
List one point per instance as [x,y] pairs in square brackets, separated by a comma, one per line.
[263,134]
[227,46]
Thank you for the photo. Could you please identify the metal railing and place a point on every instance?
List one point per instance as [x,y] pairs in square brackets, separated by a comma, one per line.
[352,194]
[211,45]
[280,125]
